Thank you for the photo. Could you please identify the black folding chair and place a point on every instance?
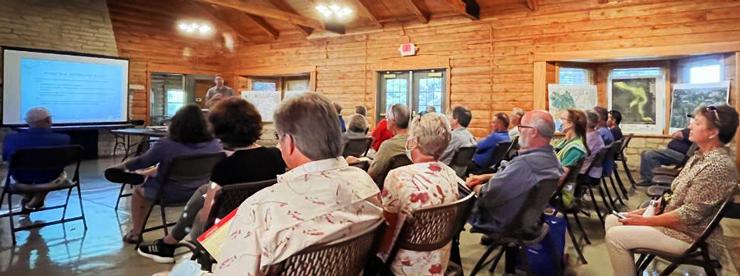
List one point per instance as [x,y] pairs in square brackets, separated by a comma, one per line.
[461,159]
[226,200]
[677,168]
[513,149]
[497,155]
[623,158]
[609,158]
[571,180]
[598,160]
[38,160]
[697,254]
[431,228]
[343,257]
[357,147]
[132,180]
[396,161]
[525,229]
[187,168]
[665,176]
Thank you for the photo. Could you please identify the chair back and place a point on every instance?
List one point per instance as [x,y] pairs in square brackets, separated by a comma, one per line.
[498,154]
[396,161]
[625,143]
[431,228]
[528,215]
[723,209]
[598,159]
[573,171]
[46,159]
[686,157]
[461,159]
[357,147]
[191,168]
[229,197]
[343,257]
[513,149]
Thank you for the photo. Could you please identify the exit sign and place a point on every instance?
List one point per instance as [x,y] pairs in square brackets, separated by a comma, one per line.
[407,49]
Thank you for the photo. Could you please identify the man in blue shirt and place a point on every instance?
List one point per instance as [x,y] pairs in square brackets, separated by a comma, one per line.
[502,194]
[500,133]
[39,134]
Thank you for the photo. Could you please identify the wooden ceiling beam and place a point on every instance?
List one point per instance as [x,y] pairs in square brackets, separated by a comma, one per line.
[266,12]
[213,15]
[284,6]
[467,8]
[420,9]
[366,6]
[264,25]
[533,5]
[603,1]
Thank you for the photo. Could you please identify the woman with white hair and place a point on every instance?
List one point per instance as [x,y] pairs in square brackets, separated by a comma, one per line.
[428,182]
[516,117]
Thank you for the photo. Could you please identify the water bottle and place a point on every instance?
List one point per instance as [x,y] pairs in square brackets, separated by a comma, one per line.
[650,211]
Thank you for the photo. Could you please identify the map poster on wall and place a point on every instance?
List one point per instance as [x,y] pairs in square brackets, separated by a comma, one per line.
[265,101]
[564,97]
[641,100]
[687,97]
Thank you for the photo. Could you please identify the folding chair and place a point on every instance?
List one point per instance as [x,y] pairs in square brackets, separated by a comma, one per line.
[461,159]
[44,159]
[357,147]
[573,209]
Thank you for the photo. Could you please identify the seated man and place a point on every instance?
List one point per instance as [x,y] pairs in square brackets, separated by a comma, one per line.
[615,117]
[39,134]
[499,133]
[651,159]
[502,194]
[461,137]
[398,124]
[356,128]
[321,198]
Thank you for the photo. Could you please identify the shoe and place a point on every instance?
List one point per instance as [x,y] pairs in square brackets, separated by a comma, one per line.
[159,251]
[486,240]
[644,184]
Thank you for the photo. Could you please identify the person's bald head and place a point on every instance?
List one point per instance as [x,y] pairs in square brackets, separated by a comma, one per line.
[536,129]
[38,117]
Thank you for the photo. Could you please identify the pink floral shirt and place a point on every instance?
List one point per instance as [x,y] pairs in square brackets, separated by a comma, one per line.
[317,202]
[412,187]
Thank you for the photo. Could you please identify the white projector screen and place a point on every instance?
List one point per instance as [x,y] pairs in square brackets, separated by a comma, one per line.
[76,89]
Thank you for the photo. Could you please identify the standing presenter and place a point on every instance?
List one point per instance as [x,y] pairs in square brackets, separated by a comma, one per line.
[218,92]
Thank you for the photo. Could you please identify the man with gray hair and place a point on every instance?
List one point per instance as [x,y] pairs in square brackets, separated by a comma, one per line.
[500,194]
[39,134]
[319,200]
[398,123]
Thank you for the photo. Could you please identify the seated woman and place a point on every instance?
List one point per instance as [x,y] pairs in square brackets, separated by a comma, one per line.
[698,191]
[428,182]
[188,135]
[571,148]
[356,128]
[238,125]
[595,143]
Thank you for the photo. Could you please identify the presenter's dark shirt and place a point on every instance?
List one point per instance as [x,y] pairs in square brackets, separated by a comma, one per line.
[33,138]
[250,165]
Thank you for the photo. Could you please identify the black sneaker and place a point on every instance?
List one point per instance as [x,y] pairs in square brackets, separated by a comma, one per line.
[159,251]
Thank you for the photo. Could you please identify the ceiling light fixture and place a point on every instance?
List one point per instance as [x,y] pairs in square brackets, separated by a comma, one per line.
[201,28]
[334,11]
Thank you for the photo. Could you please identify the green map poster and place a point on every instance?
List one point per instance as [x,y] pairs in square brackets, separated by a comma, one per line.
[687,97]
[562,97]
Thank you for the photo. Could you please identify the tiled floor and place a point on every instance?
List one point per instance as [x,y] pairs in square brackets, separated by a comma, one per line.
[70,250]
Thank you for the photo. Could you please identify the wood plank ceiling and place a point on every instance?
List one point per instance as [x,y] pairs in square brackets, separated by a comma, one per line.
[264,21]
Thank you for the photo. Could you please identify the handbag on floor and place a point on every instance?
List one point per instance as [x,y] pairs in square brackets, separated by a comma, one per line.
[541,254]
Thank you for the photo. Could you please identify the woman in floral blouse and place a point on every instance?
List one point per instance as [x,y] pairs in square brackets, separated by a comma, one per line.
[425,183]
[698,191]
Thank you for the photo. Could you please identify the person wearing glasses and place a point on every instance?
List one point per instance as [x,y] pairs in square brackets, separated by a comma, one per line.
[697,193]
[500,194]
[571,148]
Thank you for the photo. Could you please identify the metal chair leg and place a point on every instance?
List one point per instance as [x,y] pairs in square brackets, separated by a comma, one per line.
[625,193]
[613,205]
[629,173]
[573,239]
[496,259]
[66,203]
[143,226]
[616,191]
[482,260]
[647,259]
[596,206]
[82,211]
[580,227]
[120,193]
[10,216]
[164,219]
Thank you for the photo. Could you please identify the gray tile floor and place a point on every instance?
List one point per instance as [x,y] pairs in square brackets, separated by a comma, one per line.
[70,250]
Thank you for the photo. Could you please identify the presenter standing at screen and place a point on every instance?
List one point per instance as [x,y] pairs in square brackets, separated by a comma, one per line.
[218,92]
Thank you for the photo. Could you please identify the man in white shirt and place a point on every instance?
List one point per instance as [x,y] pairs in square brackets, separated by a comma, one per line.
[319,200]
[461,137]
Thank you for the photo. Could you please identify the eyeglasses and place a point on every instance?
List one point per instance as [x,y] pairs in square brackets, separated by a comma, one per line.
[523,126]
[713,109]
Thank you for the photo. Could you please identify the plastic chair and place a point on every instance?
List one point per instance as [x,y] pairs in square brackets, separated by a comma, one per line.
[523,230]
[697,254]
[344,257]
[396,161]
[357,147]
[431,228]
[189,168]
[227,199]
[461,159]
[44,159]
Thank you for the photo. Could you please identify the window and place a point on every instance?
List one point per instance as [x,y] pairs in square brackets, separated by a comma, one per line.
[418,90]
[264,86]
[298,85]
[704,74]
[574,76]
[175,100]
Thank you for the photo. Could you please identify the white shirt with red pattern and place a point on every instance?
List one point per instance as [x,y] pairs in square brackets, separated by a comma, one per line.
[412,187]
[314,203]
